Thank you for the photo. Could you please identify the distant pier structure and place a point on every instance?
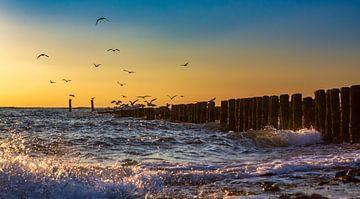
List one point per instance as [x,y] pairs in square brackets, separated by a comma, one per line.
[335,113]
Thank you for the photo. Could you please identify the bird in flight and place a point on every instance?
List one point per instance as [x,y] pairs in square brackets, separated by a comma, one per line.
[118,102]
[213,99]
[172,97]
[71,95]
[97,65]
[66,80]
[52,82]
[112,102]
[123,96]
[186,64]
[143,96]
[42,55]
[133,102]
[101,19]
[151,102]
[128,71]
[181,96]
[114,50]
[121,84]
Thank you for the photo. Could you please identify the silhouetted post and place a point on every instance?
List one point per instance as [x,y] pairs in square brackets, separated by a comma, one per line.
[246,113]
[258,113]
[203,112]
[274,112]
[92,105]
[70,106]
[217,112]
[211,112]
[241,116]
[237,114]
[172,113]
[224,114]
[328,120]
[253,113]
[355,114]
[335,115]
[320,111]
[231,111]
[284,111]
[265,111]
[345,114]
[296,102]
[309,112]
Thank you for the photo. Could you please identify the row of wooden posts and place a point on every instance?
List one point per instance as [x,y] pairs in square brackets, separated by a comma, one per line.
[335,113]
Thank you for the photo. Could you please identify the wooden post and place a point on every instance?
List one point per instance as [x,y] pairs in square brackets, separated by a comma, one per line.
[246,114]
[211,112]
[237,114]
[284,111]
[70,106]
[253,113]
[224,114]
[265,111]
[231,111]
[203,112]
[274,112]
[92,105]
[328,125]
[320,111]
[309,112]
[241,116]
[345,114]
[258,113]
[296,102]
[335,115]
[355,114]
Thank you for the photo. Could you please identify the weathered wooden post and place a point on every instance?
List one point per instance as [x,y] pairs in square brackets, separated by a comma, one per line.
[203,112]
[241,116]
[253,113]
[284,111]
[345,114]
[274,112]
[320,111]
[246,114]
[258,113]
[237,114]
[265,111]
[335,115]
[224,114]
[231,111]
[309,112]
[211,112]
[70,106]
[296,102]
[355,114]
[328,125]
[92,105]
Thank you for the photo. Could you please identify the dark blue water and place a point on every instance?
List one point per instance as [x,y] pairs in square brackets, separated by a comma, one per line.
[50,153]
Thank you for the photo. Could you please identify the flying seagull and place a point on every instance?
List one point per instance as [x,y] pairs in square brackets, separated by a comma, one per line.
[101,19]
[133,102]
[213,99]
[42,55]
[172,97]
[143,96]
[52,82]
[181,96]
[128,71]
[66,80]
[123,96]
[186,64]
[121,84]
[112,102]
[151,102]
[114,50]
[71,95]
[97,65]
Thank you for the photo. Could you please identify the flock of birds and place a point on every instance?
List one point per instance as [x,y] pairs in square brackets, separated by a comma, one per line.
[120,103]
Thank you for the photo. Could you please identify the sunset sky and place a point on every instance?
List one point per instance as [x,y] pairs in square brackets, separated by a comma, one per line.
[236,48]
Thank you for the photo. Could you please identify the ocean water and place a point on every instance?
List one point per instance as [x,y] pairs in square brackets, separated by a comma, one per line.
[51,153]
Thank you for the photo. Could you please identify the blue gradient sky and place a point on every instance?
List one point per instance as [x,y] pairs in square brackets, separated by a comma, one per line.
[295,40]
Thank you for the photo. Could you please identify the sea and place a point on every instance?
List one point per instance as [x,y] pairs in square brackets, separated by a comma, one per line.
[52,153]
